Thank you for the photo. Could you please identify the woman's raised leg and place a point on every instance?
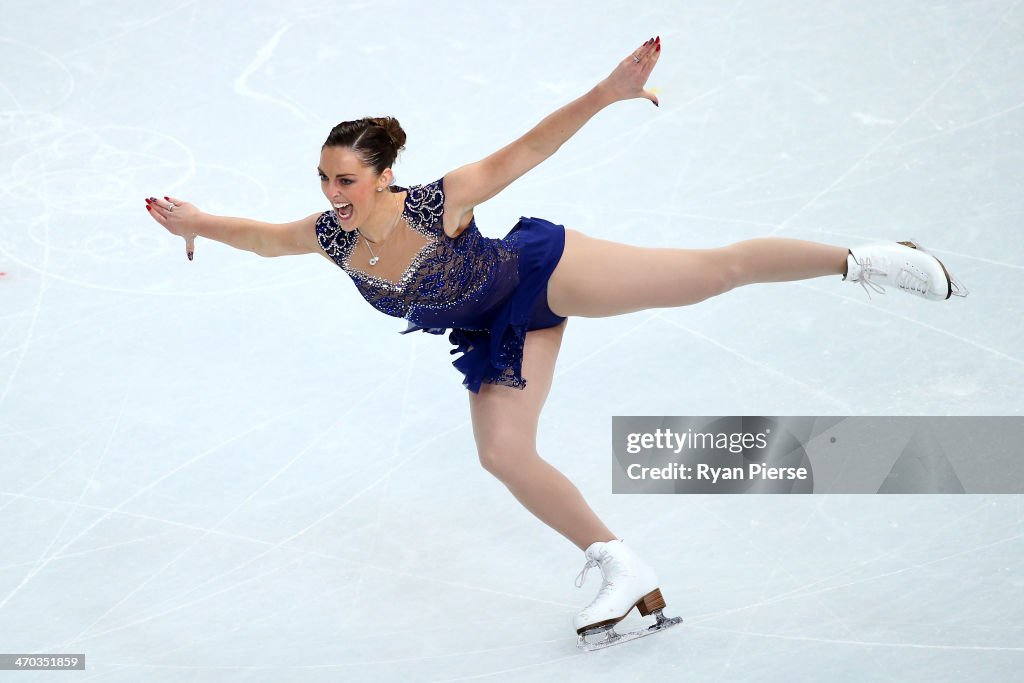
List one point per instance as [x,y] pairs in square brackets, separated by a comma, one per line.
[505,428]
[597,278]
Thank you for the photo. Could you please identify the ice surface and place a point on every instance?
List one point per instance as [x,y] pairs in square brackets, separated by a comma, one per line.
[234,469]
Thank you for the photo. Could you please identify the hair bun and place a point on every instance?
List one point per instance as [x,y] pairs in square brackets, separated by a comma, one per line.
[392,128]
[376,140]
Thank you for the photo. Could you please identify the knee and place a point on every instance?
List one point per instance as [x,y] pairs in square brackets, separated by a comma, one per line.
[505,461]
[735,269]
[720,270]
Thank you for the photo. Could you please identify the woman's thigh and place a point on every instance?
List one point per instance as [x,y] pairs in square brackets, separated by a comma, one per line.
[597,278]
[505,418]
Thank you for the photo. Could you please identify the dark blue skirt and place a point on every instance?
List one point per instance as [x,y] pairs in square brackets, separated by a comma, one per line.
[495,355]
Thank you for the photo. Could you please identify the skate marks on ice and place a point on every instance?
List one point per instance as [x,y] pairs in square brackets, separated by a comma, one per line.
[999,23]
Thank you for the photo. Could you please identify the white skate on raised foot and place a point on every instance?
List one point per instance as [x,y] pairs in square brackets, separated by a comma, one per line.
[628,583]
[905,265]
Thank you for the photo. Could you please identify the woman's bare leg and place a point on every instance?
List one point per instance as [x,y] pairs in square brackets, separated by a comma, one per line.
[505,427]
[597,278]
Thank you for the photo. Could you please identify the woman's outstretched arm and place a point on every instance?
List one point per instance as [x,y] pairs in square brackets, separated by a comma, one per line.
[475,183]
[266,239]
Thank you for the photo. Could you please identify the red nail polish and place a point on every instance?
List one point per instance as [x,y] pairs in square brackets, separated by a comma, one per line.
[657,48]
[148,207]
[167,198]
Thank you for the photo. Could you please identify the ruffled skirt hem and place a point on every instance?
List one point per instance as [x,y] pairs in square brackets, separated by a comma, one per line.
[495,355]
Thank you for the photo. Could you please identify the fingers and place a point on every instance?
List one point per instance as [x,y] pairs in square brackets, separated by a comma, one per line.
[653,50]
[161,204]
[649,49]
[645,57]
[165,207]
[637,56]
[156,211]
[161,213]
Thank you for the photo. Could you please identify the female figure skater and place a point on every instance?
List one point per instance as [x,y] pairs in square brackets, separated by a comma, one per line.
[416,253]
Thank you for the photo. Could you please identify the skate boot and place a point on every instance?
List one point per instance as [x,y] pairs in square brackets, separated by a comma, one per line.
[904,265]
[628,583]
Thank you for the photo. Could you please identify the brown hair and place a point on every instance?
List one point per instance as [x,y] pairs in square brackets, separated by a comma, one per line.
[376,140]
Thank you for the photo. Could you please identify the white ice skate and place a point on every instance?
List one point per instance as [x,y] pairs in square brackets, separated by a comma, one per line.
[904,265]
[628,583]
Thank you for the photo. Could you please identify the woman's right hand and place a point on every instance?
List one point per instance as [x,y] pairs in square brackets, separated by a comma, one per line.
[628,79]
[179,217]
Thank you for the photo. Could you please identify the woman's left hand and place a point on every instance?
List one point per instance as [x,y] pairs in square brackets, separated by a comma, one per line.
[628,79]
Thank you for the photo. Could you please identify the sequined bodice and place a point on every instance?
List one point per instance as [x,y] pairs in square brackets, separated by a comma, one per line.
[426,277]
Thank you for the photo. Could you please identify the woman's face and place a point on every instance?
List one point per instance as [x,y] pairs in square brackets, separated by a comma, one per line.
[346,181]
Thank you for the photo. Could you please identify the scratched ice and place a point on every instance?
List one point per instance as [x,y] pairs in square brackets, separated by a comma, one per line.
[234,469]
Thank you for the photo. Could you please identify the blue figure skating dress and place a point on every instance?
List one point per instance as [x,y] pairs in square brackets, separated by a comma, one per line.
[488,292]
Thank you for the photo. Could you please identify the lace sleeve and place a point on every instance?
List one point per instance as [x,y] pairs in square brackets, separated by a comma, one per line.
[426,205]
[331,237]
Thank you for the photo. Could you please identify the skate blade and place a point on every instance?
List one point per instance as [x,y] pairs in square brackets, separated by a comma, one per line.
[956,287]
[612,637]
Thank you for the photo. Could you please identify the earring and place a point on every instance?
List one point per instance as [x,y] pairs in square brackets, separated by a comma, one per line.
[380,189]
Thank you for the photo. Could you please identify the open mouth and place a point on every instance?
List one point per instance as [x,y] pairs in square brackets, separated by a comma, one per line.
[343,210]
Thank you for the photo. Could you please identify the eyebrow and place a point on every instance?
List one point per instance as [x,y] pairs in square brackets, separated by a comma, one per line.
[340,175]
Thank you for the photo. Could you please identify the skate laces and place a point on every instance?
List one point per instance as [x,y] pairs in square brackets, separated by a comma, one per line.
[606,585]
[867,269]
[582,576]
[911,282]
[899,272]
[906,279]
